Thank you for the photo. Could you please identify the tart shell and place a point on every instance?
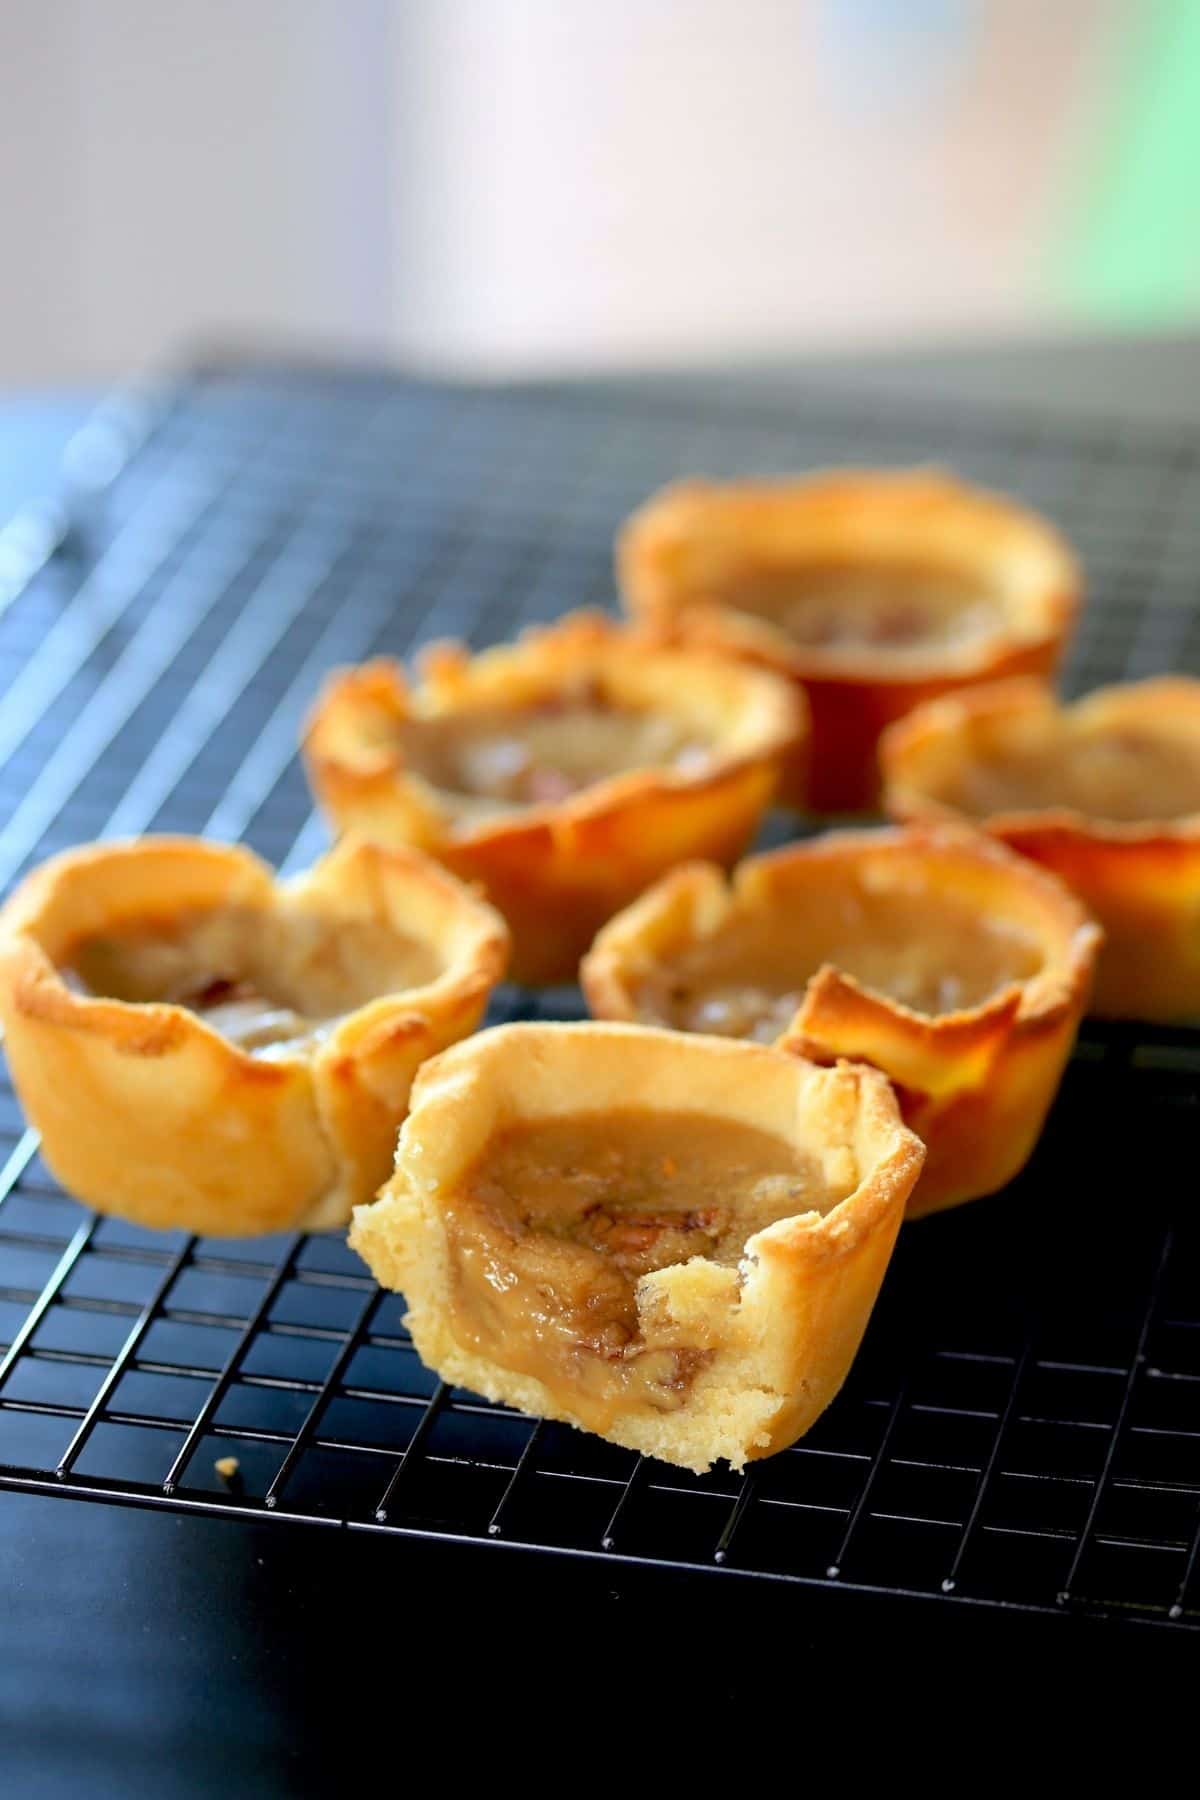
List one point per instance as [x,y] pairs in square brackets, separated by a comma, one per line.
[557,871]
[146,1111]
[1141,880]
[683,554]
[976,1084]
[782,1329]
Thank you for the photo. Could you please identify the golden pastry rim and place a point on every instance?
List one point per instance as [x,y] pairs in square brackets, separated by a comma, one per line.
[444,1082]
[1035,1002]
[997,522]
[975,1083]
[449,670]
[153,1025]
[953,715]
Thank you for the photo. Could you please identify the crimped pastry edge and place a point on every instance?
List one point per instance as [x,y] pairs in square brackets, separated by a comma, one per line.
[683,548]
[555,870]
[957,1072]
[146,1111]
[1140,878]
[807,1283]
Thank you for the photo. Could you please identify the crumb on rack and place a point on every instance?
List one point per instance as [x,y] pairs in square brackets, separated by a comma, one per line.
[227,1467]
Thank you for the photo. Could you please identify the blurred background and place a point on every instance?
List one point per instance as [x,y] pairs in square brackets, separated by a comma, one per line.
[491,187]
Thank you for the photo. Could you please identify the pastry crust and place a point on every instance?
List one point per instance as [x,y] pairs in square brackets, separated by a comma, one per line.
[772,1336]
[147,1111]
[974,1080]
[557,870]
[684,556]
[1140,876]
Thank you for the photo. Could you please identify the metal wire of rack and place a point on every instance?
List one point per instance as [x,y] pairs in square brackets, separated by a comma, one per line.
[1022,1427]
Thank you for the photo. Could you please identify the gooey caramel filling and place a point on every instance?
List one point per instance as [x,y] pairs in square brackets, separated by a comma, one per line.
[900,611]
[489,761]
[1121,775]
[558,1220]
[923,950]
[272,983]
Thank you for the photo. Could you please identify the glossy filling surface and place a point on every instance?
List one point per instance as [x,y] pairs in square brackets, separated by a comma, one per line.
[553,1227]
[269,982]
[897,611]
[494,760]
[923,950]
[1122,775]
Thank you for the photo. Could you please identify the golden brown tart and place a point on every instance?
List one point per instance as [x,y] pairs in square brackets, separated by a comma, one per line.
[563,772]
[1106,793]
[203,1048]
[954,967]
[874,590]
[673,1242]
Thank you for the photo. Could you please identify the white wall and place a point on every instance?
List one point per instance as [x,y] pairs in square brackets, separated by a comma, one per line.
[507,185]
[650,180]
[170,171]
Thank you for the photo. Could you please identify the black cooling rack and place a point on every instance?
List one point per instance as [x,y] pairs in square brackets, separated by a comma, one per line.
[1022,1428]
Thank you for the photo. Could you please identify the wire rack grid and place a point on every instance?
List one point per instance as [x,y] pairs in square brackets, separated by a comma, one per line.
[1022,1427]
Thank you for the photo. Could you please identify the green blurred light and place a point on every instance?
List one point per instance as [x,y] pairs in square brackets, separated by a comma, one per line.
[1136,259]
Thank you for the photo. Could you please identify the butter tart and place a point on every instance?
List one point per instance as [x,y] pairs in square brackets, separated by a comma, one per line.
[874,590]
[203,1048]
[954,967]
[1105,792]
[675,1243]
[563,773]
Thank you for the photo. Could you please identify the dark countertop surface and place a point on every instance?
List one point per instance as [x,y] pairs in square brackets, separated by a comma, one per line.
[148,1653]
